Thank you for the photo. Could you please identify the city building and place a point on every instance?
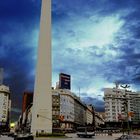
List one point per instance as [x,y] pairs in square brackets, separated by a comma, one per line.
[90,115]
[68,112]
[64,81]
[79,112]
[26,100]
[119,102]
[99,120]
[55,109]
[134,107]
[5,108]
[27,119]
[63,108]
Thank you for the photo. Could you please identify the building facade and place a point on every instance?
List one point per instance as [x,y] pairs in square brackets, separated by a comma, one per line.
[99,120]
[63,108]
[27,119]
[55,109]
[115,111]
[79,113]
[27,100]
[68,111]
[90,115]
[135,106]
[64,81]
[5,107]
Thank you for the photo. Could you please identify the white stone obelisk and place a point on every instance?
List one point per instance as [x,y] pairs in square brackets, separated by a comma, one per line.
[42,101]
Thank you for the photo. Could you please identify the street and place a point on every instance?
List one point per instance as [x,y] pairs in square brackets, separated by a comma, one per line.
[70,137]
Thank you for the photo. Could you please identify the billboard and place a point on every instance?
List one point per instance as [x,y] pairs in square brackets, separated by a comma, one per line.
[64,81]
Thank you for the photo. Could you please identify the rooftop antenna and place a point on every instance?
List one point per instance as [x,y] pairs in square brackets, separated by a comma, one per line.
[1,76]
[116,84]
[79,92]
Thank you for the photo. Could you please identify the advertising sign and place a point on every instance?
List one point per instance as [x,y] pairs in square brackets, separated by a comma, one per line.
[64,81]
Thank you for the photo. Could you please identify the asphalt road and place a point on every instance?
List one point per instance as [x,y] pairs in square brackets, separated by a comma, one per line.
[70,137]
[76,138]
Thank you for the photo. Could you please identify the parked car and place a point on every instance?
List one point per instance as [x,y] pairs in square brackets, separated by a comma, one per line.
[127,137]
[10,134]
[25,136]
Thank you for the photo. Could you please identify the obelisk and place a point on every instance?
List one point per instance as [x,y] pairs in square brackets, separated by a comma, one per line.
[42,101]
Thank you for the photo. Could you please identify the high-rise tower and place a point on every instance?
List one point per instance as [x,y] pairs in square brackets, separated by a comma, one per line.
[42,100]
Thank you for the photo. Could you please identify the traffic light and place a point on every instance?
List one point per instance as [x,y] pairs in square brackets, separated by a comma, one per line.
[130,114]
[61,117]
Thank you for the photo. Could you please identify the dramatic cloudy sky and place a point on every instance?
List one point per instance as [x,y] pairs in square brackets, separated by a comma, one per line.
[97,42]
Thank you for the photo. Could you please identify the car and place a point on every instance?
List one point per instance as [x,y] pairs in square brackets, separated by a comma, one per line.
[127,137]
[10,134]
[121,137]
[24,136]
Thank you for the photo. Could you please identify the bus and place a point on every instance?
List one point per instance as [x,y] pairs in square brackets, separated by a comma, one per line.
[87,132]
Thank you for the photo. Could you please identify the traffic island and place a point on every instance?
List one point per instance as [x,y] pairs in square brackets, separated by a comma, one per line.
[62,135]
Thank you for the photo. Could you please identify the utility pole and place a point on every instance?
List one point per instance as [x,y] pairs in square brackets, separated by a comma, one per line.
[79,92]
[126,105]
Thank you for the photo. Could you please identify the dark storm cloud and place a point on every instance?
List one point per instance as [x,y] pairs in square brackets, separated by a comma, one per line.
[98,104]
[128,62]
[91,65]
[98,65]
[18,71]
[20,11]
[19,25]
[123,68]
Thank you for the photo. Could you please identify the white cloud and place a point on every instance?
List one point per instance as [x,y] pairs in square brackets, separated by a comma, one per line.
[95,88]
[87,32]
[90,40]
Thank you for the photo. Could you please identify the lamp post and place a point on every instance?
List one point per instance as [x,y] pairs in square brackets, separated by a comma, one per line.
[126,105]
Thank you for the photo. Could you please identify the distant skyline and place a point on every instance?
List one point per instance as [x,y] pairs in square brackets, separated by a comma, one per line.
[97,42]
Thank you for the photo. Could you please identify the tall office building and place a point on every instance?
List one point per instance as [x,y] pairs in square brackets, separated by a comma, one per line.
[64,81]
[5,107]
